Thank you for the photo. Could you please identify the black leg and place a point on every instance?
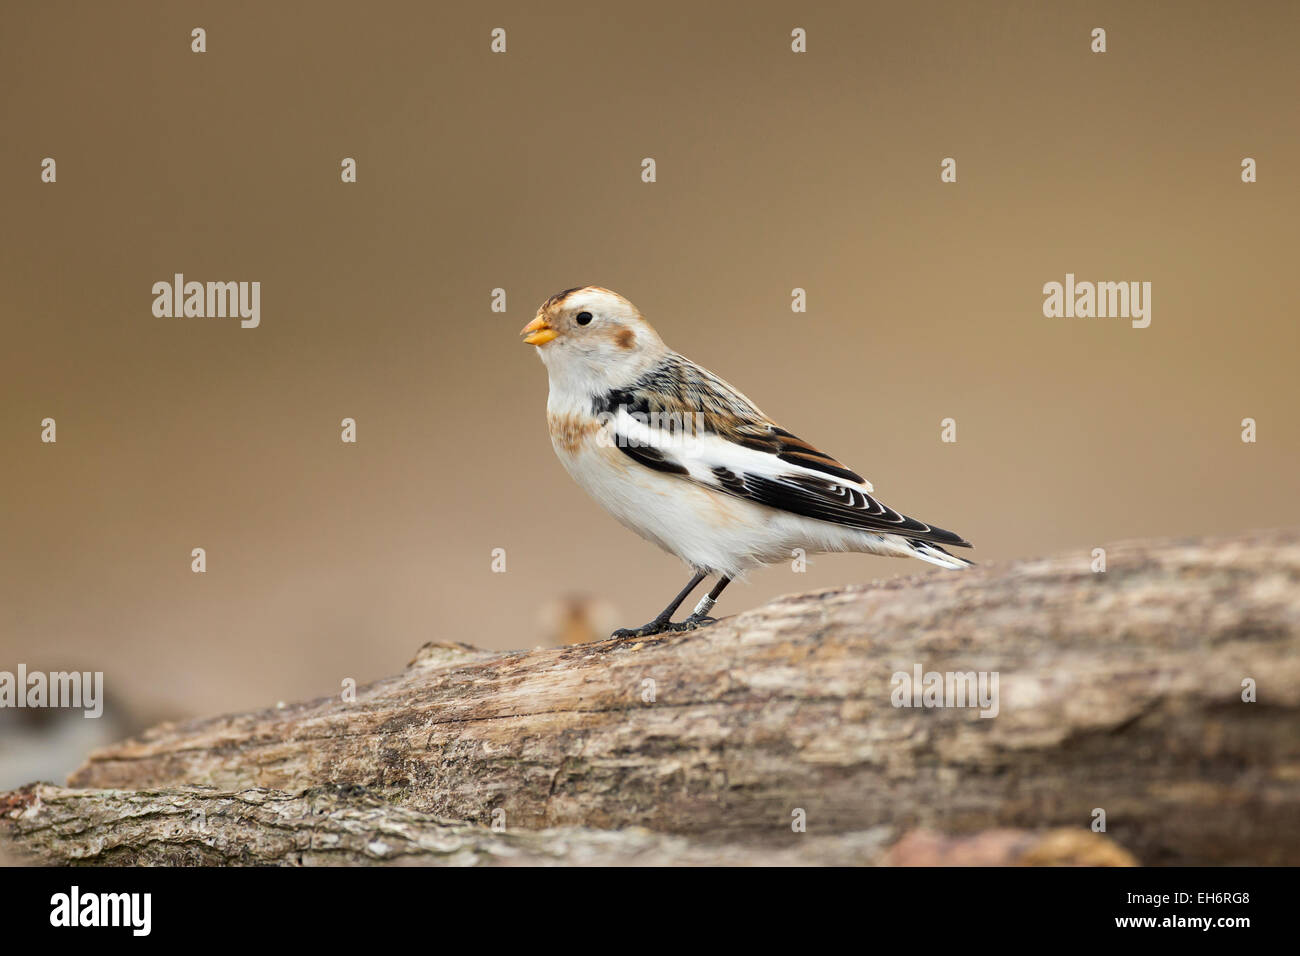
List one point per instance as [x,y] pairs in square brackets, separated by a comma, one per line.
[662,622]
[700,616]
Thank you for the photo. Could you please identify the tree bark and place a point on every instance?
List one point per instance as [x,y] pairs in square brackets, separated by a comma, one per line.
[1118,691]
[333,826]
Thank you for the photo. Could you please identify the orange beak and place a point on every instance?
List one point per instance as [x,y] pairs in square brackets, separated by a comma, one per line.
[538,332]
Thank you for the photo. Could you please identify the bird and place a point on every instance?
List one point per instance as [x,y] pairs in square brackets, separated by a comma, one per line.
[682,458]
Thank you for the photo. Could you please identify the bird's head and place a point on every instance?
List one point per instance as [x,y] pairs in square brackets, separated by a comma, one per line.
[593,337]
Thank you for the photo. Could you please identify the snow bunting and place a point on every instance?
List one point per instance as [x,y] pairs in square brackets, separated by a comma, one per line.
[683,459]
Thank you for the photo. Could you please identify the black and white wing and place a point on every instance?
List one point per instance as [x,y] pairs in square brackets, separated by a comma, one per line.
[682,420]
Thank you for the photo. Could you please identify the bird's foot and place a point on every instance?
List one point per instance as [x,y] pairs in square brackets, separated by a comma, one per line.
[645,630]
[693,622]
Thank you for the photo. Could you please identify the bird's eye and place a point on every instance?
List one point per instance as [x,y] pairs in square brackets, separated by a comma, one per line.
[583,318]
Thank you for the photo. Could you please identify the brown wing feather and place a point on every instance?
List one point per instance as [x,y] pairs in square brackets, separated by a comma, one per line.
[679,387]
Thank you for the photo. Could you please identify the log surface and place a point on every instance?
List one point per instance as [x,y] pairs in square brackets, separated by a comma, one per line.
[1119,691]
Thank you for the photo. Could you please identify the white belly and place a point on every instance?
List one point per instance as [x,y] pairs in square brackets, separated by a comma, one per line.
[708,531]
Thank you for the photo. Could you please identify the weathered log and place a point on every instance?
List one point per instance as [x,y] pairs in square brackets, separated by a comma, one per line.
[1120,691]
[333,826]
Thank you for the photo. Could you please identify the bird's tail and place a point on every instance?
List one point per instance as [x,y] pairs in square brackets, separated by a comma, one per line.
[928,551]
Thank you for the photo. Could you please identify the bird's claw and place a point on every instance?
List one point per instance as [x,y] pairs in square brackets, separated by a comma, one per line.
[660,627]
[645,630]
[692,623]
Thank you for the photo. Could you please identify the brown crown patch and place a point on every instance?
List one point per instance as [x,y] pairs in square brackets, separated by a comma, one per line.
[555,301]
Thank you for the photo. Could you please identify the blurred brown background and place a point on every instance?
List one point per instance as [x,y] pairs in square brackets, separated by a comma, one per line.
[522,171]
